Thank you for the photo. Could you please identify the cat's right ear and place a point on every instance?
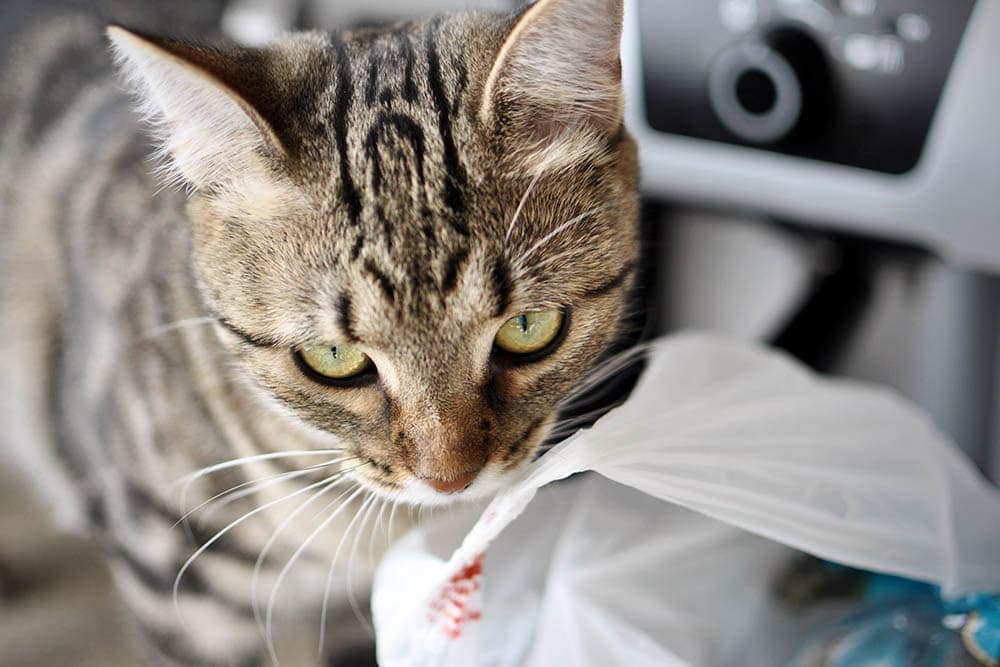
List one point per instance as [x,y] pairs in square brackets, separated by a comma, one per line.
[555,90]
[218,114]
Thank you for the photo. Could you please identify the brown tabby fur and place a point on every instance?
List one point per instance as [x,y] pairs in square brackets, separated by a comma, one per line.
[344,189]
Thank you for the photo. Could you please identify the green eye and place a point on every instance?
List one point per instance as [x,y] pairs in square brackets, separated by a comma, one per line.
[337,362]
[530,332]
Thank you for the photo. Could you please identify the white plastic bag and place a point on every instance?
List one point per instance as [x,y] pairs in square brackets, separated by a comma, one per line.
[741,434]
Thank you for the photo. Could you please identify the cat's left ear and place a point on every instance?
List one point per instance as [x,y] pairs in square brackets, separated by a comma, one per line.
[218,113]
[555,89]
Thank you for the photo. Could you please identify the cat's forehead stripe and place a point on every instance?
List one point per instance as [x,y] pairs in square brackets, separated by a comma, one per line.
[395,101]
[345,92]
[453,267]
[345,318]
[383,281]
[389,125]
[455,177]
[401,46]
[502,286]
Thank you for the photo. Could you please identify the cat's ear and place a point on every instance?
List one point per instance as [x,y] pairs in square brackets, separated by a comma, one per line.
[218,114]
[555,90]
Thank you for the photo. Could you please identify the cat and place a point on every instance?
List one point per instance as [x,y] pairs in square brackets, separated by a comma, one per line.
[373,269]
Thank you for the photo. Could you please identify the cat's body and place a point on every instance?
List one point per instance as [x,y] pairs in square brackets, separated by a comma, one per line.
[374,209]
[113,388]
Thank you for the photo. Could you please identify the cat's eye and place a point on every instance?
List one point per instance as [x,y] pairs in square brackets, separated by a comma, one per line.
[334,362]
[530,333]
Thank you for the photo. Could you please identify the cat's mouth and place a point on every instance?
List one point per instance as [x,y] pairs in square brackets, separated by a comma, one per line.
[399,483]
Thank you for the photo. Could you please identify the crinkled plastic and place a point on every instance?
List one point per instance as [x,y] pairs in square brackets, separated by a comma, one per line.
[735,432]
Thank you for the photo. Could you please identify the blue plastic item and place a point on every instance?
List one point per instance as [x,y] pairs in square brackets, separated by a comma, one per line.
[905,623]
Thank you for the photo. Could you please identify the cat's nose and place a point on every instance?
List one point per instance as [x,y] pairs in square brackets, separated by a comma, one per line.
[452,485]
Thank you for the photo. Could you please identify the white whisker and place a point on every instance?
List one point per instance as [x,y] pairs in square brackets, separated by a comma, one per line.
[351,597]
[246,492]
[520,206]
[188,480]
[559,230]
[215,538]
[327,507]
[584,394]
[279,529]
[574,422]
[269,613]
[173,326]
[392,517]
[330,572]
[232,463]
[607,369]
[555,232]
[378,522]
[576,251]
[259,565]
[255,485]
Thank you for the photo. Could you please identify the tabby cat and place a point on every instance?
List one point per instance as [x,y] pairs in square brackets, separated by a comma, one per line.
[382,263]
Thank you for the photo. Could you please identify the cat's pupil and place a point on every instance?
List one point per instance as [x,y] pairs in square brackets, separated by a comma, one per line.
[523,320]
[335,349]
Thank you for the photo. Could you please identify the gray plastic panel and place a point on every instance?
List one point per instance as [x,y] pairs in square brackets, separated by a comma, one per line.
[949,202]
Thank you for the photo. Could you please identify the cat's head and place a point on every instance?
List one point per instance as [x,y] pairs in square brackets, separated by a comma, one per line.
[418,240]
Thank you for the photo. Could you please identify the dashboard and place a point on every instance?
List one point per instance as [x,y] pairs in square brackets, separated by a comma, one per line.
[878,117]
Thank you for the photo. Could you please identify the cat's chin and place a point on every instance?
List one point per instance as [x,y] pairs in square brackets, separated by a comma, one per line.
[419,493]
[493,478]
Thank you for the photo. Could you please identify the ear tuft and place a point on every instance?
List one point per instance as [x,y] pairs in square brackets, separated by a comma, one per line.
[208,132]
[555,86]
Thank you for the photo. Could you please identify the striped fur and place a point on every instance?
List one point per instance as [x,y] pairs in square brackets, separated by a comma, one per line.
[338,189]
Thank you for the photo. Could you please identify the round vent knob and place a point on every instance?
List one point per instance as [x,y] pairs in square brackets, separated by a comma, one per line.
[765,90]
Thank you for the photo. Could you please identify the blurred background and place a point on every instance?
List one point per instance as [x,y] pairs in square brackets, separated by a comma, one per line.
[823,175]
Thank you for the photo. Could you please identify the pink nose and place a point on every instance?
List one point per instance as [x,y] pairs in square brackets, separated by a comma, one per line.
[451,486]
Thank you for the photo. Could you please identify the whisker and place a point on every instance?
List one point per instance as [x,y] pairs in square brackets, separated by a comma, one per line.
[246,492]
[265,625]
[233,463]
[188,480]
[330,572]
[520,206]
[588,398]
[599,374]
[255,484]
[378,522]
[174,326]
[327,507]
[269,614]
[592,389]
[573,419]
[563,227]
[566,427]
[392,517]
[586,401]
[574,422]
[351,597]
[549,153]
[215,538]
[568,253]
[555,232]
